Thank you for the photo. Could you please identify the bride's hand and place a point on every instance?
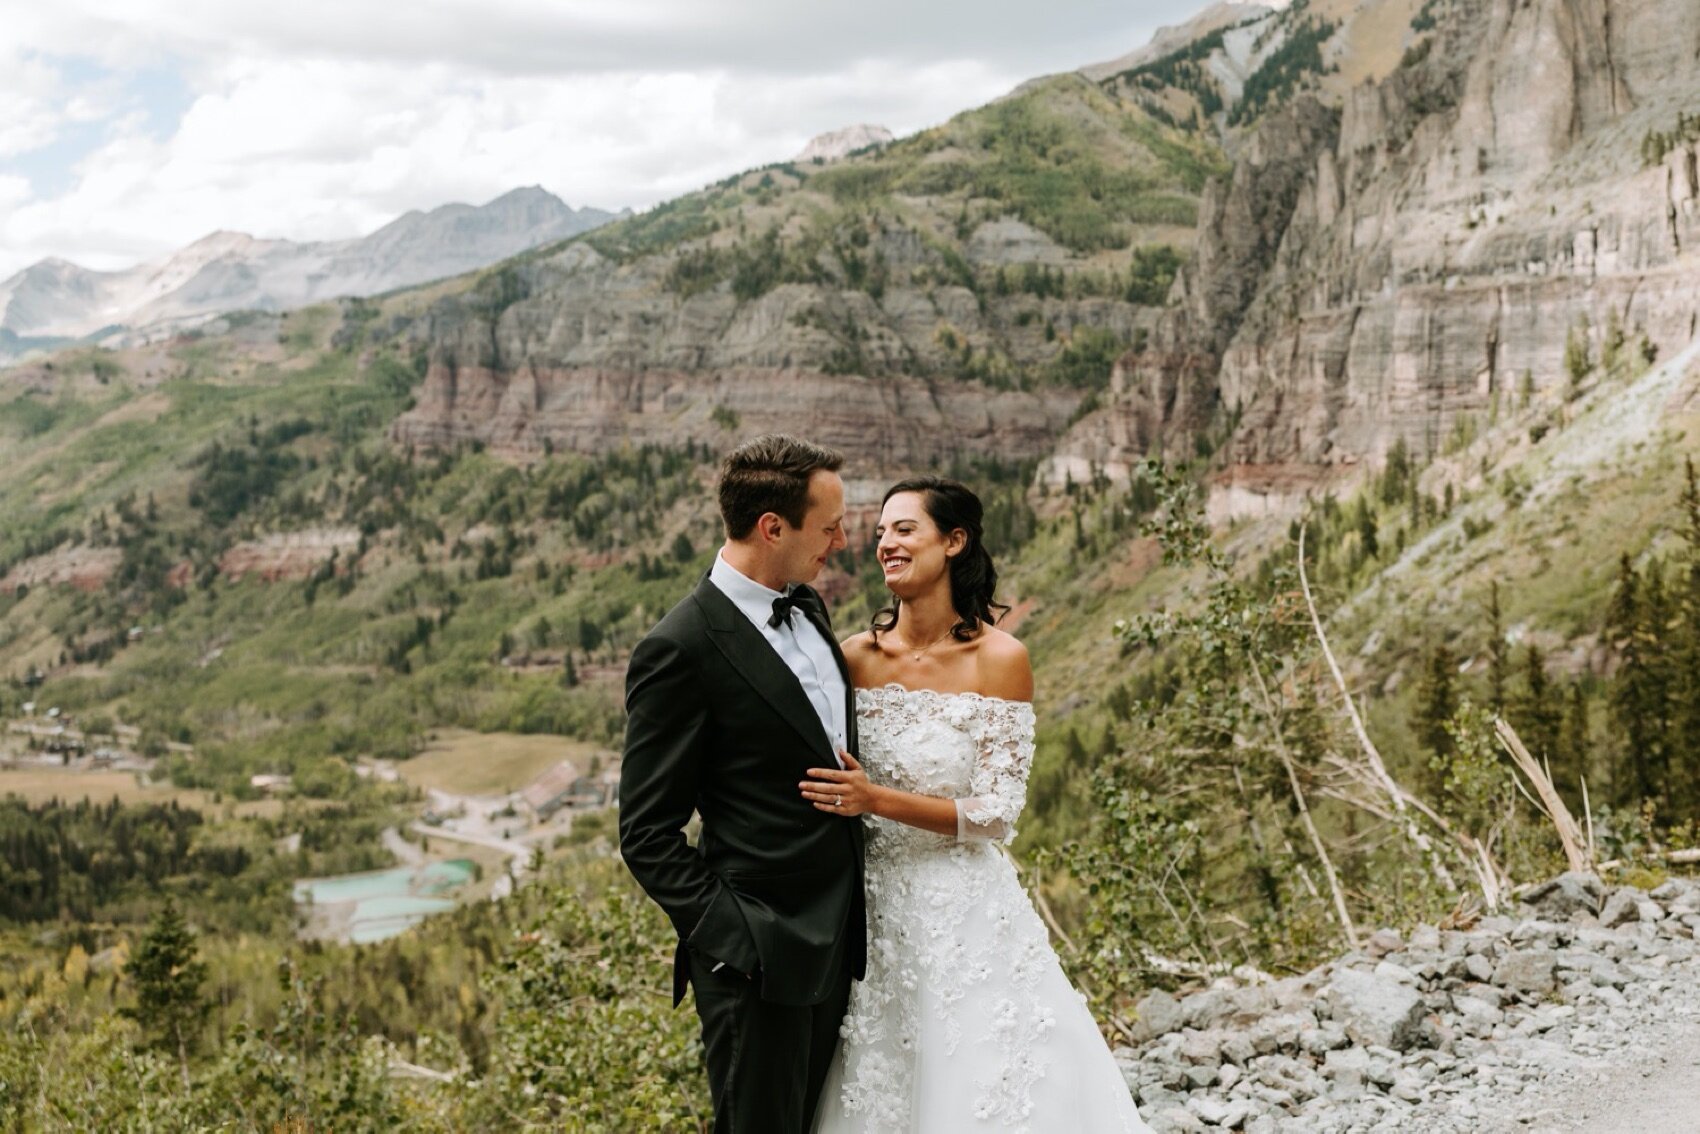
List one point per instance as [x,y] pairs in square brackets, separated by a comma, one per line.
[843,791]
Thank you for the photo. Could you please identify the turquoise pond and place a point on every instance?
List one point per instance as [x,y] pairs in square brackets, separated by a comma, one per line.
[379,904]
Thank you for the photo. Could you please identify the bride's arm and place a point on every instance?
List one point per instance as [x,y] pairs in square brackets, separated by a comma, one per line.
[999,783]
[1003,738]
[999,779]
[849,792]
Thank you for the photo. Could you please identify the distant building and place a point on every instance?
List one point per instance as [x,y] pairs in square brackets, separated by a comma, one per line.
[563,786]
[271,785]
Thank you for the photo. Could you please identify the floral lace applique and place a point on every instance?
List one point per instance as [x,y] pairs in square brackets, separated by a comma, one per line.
[948,922]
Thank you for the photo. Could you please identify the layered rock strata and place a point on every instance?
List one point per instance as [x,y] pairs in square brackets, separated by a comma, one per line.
[589,355]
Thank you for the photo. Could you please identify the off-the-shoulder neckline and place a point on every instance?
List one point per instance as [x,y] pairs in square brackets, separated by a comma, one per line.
[898,687]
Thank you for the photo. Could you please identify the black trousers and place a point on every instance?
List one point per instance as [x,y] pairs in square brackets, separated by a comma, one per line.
[766,1062]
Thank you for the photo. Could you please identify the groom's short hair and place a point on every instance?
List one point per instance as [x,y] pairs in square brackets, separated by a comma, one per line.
[770,473]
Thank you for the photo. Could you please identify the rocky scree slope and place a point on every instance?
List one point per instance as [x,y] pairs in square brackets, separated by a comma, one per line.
[1507,1023]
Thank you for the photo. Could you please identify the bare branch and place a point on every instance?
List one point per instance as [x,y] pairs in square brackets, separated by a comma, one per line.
[1340,910]
[1370,751]
[1550,803]
[1377,767]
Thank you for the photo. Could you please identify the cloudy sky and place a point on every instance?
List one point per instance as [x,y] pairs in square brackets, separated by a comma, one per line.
[129,128]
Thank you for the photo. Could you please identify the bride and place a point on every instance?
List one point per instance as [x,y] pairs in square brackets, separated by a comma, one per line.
[965,1021]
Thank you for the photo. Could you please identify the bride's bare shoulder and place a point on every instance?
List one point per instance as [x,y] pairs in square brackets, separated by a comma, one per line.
[861,651]
[1005,670]
[862,643]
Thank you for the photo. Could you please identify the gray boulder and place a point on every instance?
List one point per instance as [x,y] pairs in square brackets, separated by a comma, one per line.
[1158,1014]
[1533,972]
[1376,1010]
[1622,907]
[1570,893]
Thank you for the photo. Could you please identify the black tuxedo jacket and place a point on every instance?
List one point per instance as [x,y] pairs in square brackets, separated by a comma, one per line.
[716,723]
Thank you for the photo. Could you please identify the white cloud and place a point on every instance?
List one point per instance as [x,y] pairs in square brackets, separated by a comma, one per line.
[13,191]
[324,119]
[37,101]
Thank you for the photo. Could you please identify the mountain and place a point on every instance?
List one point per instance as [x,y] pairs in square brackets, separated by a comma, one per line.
[1299,251]
[835,144]
[959,291]
[1286,249]
[228,270]
[1507,186]
[1167,40]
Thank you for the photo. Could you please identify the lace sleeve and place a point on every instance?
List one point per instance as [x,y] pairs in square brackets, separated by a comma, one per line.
[1003,735]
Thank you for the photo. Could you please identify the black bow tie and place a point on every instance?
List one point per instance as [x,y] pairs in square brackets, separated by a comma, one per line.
[801,598]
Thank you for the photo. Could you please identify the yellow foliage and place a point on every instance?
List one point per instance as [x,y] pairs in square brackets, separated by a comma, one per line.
[76,970]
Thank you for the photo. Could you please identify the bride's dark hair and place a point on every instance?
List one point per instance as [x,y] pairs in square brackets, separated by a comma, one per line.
[952,506]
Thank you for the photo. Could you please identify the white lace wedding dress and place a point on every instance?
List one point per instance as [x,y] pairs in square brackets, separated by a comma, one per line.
[965,1021]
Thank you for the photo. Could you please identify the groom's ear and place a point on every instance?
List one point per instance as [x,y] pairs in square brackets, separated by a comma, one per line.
[770,526]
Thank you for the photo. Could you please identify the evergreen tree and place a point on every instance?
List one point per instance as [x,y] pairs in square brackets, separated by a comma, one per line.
[1437,703]
[1397,472]
[1367,540]
[1658,678]
[1611,350]
[1570,766]
[1499,653]
[167,976]
[1622,632]
[1685,649]
[589,635]
[1577,361]
[1539,715]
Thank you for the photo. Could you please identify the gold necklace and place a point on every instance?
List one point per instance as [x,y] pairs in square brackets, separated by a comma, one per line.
[916,655]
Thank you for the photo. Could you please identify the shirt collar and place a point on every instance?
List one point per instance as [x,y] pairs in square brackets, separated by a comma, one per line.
[749,596]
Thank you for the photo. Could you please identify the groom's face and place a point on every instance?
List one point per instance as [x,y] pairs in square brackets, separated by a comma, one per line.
[804,550]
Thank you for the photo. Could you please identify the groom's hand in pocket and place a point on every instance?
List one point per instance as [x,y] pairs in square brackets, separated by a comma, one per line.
[717,968]
[840,791]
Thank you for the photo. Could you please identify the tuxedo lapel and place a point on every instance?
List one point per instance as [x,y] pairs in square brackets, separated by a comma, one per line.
[744,648]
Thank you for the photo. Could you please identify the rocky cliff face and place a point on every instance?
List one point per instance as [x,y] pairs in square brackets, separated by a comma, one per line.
[596,355]
[957,293]
[1473,207]
[1220,15]
[1379,261]
[1165,396]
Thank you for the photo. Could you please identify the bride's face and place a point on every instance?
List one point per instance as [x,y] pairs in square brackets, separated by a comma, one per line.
[912,551]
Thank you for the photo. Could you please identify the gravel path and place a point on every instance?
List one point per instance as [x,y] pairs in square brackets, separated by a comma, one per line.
[405,852]
[1655,1092]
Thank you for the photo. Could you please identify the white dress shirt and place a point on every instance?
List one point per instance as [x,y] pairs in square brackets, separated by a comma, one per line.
[800,645]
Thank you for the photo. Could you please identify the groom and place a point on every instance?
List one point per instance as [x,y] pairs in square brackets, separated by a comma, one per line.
[730,699]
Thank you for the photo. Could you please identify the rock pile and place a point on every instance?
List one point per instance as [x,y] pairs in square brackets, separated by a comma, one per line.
[1444,1030]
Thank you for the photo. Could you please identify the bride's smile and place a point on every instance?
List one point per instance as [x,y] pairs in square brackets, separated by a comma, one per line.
[913,553]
